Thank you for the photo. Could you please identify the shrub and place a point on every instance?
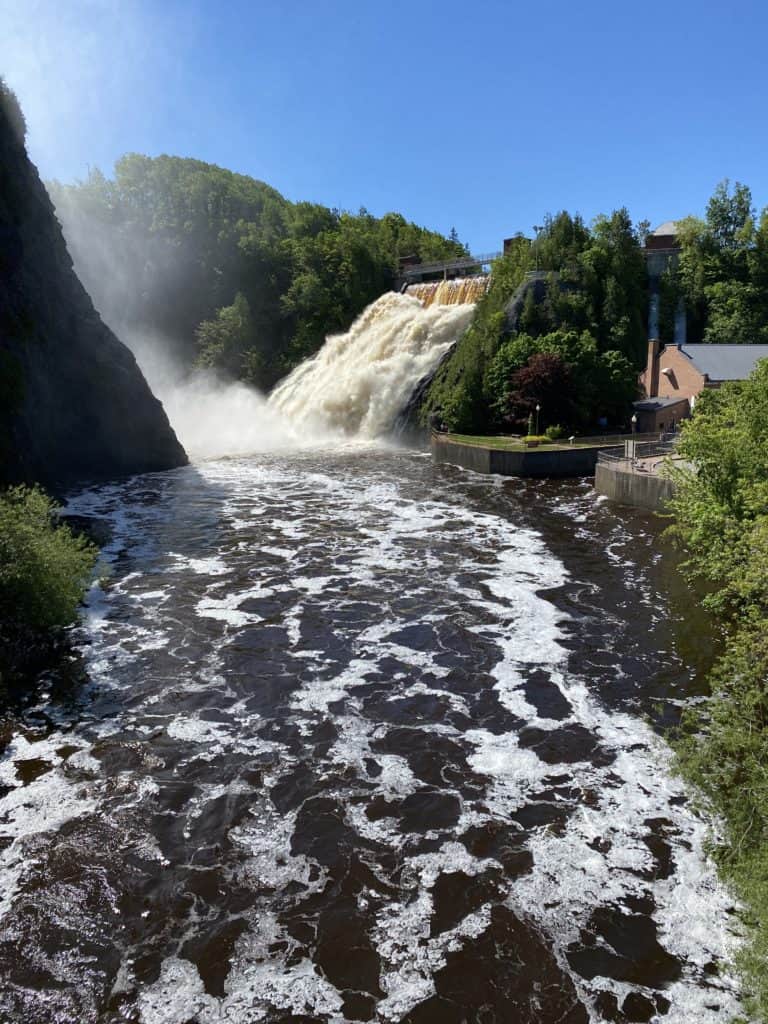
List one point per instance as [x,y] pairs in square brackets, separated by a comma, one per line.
[554,432]
[44,567]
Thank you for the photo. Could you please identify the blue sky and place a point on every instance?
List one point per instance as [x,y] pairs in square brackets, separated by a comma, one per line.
[481,115]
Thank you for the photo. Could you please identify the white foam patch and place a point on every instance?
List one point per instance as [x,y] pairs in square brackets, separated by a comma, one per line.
[514,771]
[401,934]
[340,535]
[227,608]
[352,748]
[318,694]
[43,805]
[266,838]
[212,566]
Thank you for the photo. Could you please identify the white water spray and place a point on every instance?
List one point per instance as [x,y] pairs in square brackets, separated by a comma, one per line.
[359,381]
[211,417]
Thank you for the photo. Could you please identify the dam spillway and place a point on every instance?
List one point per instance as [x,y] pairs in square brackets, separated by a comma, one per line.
[455,292]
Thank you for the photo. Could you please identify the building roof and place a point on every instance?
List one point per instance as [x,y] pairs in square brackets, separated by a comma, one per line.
[669,227]
[654,404]
[725,362]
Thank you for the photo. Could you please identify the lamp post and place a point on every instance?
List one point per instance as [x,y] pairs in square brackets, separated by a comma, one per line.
[538,409]
[634,422]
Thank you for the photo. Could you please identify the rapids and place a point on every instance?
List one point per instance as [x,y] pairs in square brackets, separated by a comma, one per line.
[355,737]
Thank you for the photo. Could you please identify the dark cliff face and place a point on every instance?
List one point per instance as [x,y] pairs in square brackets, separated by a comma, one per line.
[74,405]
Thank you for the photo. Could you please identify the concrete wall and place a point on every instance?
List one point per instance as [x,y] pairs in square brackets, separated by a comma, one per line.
[543,461]
[468,456]
[643,490]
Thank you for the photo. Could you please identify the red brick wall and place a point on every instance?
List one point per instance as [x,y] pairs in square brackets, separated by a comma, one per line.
[684,381]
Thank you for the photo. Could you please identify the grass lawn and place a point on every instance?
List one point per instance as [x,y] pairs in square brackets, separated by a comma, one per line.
[515,444]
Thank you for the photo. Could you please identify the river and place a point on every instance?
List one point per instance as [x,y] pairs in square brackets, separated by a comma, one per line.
[356,737]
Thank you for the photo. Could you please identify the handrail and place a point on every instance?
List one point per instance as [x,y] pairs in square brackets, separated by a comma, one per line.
[460,263]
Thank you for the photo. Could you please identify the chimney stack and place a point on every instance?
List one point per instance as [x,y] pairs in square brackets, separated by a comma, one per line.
[652,369]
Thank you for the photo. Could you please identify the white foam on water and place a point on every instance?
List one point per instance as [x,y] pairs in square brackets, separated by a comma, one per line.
[352,748]
[515,772]
[42,805]
[212,566]
[178,995]
[227,608]
[319,694]
[493,575]
[266,838]
[401,934]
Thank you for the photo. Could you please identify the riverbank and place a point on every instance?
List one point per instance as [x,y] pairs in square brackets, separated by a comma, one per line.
[721,525]
[509,457]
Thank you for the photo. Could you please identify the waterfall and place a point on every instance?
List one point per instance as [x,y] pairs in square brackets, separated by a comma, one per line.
[359,381]
[450,293]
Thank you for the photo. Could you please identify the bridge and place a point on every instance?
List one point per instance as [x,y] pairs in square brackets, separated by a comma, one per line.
[457,267]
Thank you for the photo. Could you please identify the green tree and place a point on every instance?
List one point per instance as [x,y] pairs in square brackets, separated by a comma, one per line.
[722,272]
[721,523]
[224,340]
[44,567]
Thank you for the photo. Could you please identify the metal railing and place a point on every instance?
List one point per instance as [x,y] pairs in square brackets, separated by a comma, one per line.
[637,455]
[460,263]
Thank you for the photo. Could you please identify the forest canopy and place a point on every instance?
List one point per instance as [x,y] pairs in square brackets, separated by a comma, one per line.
[229,273]
[577,294]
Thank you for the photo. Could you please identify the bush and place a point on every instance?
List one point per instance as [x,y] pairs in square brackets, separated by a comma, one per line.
[555,432]
[44,567]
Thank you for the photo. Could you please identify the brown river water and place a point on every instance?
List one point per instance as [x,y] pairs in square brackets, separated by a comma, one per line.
[354,737]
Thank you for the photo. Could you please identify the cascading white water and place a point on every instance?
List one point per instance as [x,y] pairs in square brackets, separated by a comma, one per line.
[359,381]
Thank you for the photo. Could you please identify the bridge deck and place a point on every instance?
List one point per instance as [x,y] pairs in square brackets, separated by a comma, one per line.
[460,263]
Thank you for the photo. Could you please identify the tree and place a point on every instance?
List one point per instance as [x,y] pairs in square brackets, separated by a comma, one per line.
[721,523]
[730,215]
[546,380]
[224,340]
[44,567]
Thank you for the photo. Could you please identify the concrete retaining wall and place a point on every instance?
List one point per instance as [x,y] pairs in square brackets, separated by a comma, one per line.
[545,462]
[643,490]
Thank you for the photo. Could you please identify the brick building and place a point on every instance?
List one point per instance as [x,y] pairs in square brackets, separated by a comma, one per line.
[675,374]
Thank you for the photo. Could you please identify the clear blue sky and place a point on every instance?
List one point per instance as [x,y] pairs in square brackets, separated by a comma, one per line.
[483,115]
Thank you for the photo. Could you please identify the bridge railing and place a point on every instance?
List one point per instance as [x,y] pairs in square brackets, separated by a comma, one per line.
[460,263]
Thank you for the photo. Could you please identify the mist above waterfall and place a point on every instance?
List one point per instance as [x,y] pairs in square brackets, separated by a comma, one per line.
[359,381]
[211,416]
[151,294]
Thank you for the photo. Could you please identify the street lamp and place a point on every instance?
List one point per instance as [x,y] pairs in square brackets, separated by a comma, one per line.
[634,422]
[538,409]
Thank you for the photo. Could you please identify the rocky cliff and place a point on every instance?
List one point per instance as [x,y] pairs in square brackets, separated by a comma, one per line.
[74,405]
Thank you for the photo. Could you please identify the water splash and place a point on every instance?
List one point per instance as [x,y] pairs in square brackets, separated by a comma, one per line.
[359,381]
